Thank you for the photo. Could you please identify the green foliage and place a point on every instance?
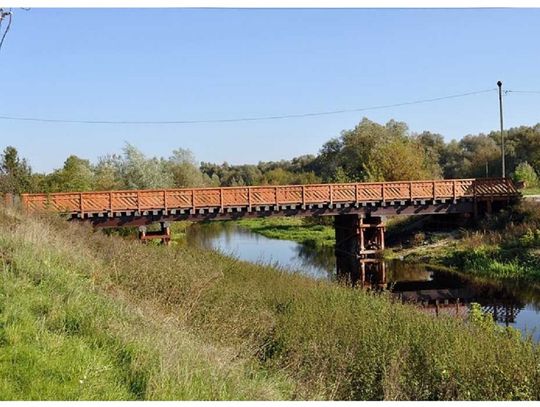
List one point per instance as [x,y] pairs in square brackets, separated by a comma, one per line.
[184,170]
[373,152]
[530,238]
[139,172]
[400,159]
[15,173]
[76,175]
[525,173]
[299,170]
[368,152]
[504,248]
[481,156]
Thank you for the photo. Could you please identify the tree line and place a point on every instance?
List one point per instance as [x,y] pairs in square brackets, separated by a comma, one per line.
[368,152]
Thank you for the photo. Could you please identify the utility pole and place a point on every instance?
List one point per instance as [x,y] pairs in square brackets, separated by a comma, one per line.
[499,84]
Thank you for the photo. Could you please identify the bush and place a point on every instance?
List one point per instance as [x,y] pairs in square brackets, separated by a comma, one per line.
[525,173]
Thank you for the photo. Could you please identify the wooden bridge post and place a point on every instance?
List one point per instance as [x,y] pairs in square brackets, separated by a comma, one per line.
[164,234]
[372,236]
[357,238]
[142,233]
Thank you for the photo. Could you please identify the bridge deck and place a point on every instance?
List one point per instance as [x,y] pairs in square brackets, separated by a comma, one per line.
[220,201]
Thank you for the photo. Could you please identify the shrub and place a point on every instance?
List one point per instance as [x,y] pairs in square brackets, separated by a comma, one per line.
[525,173]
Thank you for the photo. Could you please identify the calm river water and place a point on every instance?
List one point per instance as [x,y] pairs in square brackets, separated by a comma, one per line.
[511,305]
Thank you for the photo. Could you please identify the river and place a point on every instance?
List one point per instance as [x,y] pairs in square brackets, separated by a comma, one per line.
[512,305]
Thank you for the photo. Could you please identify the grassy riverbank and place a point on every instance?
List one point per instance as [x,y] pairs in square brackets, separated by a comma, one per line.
[504,247]
[302,230]
[89,316]
[507,246]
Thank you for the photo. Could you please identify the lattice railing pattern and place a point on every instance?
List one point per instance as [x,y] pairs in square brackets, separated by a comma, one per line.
[195,198]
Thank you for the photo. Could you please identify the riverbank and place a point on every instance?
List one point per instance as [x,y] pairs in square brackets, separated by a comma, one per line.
[90,316]
[503,247]
[307,231]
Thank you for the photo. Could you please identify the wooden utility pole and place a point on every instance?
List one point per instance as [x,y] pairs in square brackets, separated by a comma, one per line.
[499,84]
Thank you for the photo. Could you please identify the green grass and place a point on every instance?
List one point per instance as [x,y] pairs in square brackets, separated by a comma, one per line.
[531,191]
[506,246]
[293,228]
[68,333]
[89,316]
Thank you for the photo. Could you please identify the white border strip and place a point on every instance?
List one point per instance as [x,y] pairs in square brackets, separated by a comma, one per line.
[270,3]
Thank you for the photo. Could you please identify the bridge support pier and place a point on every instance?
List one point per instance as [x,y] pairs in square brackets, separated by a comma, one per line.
[164,233]
[357,238]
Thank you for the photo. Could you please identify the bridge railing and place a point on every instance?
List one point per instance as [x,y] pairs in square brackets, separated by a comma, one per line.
[194,198]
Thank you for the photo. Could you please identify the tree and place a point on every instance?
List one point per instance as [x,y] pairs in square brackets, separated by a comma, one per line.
[139,172]
[360,143]
[375,152]
[15,173]
[400,159]
[184,170]
[108,173]
[481,156]
[525,173]
[76,175]
[277,176]
[525,143]
[452,160]
[434,146]
[329,159]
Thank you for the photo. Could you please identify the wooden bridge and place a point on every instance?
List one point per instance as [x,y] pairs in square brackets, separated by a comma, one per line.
[359,208]
[138,207]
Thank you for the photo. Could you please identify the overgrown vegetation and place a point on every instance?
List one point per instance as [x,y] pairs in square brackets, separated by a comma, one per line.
[90,316]
[506,246]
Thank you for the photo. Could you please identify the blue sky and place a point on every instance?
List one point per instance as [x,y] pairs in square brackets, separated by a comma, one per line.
[189,64]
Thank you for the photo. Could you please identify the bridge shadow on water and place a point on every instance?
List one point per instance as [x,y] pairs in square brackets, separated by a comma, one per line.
[440,291]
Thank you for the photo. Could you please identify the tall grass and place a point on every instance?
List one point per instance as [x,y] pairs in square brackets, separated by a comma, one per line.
[67,332]
[505,247]
[147,322]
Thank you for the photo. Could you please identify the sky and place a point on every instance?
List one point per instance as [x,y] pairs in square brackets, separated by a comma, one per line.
[206,64]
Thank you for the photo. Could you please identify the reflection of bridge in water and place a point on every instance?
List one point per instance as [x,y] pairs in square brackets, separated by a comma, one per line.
[437,291]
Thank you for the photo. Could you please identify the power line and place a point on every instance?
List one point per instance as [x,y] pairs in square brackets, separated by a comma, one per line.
[245,119]
[522,91]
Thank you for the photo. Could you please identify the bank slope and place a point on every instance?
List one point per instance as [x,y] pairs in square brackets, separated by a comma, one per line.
[90,316]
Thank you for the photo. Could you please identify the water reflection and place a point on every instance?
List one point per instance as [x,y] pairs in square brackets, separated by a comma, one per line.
[434,290]
[439,289]
[234,241]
